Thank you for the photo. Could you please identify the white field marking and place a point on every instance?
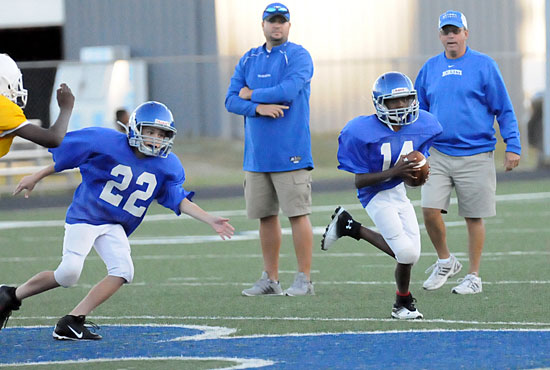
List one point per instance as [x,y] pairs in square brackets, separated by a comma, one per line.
[227,283]
[143,284]
[239,236]
[275,318]
[228,213]
[242,363]
[210,332]
[459,255]
[193,278]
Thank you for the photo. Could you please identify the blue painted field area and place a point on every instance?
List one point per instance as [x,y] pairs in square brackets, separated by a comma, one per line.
[418,349]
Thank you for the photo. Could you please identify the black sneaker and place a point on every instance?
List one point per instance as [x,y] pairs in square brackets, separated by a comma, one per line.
[8,303]
[340,225]
[73,328]
[404,308]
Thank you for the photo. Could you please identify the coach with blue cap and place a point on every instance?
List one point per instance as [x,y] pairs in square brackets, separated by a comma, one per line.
[270,89]
[464,89]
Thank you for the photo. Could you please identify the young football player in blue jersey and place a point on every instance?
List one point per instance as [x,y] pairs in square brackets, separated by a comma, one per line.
[373,148]
[121,176]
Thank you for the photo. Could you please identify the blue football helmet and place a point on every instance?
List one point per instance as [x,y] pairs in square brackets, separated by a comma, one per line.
[152,114]
[392,85]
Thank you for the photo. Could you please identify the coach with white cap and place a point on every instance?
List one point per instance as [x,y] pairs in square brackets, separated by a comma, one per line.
[464,89]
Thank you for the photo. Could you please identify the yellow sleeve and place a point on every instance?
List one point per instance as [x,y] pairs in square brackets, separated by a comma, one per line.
[11,115]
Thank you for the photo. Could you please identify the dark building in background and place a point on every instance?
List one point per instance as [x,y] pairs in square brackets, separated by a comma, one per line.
[169,35]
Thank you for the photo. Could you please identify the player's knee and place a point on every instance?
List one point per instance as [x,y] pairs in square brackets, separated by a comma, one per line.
[408,256]
[124,270]
[69,270]
[67,275]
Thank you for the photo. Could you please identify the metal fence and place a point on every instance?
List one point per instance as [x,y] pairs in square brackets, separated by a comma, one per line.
[340,90]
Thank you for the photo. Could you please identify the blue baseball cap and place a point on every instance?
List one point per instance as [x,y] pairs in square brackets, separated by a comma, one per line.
[276,9]
[453,18]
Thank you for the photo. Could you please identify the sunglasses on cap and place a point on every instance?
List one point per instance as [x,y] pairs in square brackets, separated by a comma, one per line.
[276,9]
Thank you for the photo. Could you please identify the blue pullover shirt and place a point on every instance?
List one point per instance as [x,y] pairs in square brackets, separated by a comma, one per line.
[466,94]
[280,76]
[366,145]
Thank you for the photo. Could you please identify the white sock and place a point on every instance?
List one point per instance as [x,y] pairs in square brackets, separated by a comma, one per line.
[444,261]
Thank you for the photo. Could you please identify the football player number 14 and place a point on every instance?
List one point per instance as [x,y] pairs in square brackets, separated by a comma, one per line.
[385,150]
[127,175]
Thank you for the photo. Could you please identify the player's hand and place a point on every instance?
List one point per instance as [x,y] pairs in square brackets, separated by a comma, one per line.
[511,161]
[245,93]
[405,169]
[27,183]
[271,110]
[65,97]
[223,227]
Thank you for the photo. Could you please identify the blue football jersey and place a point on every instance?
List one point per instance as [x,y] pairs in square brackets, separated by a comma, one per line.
[117,187]
[367,145]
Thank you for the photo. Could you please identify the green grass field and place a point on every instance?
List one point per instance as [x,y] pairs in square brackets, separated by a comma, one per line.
[198,281]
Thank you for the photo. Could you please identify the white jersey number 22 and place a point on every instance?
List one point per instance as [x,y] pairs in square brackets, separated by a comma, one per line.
[129,205]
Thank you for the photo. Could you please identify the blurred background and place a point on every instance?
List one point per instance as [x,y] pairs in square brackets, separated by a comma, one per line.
[117,54]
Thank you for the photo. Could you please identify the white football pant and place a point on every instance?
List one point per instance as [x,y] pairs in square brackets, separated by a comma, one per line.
[110,242]
[394,216]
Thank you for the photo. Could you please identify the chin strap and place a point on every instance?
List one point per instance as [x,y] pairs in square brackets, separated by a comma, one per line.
[126,128]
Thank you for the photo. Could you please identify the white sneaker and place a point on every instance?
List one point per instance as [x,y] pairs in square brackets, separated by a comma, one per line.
[301,286]
[264,286]
[471,284]
[441,272]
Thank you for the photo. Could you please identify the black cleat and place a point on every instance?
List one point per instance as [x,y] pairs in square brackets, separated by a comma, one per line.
[71,327]
[404,308]
[8,303]
[339,226]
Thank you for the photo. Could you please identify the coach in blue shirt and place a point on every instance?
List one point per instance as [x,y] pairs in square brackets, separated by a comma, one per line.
[464,89]
[271,88]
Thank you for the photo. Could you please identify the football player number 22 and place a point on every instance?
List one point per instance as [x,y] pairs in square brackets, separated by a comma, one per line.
[129,205]
[385,150]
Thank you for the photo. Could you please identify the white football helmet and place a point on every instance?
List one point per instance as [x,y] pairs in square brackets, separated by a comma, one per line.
[11,81]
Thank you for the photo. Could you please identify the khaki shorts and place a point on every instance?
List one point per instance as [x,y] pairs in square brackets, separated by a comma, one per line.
[265,192]
[473,177]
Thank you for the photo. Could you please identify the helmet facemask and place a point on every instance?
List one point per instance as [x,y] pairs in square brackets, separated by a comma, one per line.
[397,116]
[156,115]
[395,85]
[150,145]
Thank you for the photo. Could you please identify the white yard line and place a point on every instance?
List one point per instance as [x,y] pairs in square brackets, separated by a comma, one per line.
[286,318]
[4,225]
[221,256]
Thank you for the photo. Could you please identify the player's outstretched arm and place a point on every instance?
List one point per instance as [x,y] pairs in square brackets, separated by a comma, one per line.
[219,224]
[29,182]
[52,137]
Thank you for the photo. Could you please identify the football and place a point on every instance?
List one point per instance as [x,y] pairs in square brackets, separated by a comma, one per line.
[422,163]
